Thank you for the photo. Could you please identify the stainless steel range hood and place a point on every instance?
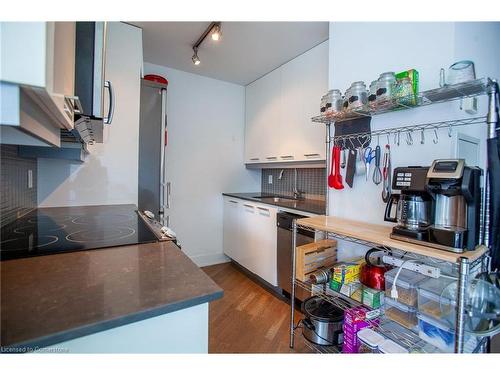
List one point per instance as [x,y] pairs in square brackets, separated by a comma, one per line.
[91,83]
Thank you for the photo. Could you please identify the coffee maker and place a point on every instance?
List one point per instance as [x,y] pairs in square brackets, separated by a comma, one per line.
[439,206]
[456,192]
[413,207]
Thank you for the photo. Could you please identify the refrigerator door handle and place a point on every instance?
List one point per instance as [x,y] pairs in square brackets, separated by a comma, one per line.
[168,194]
[164,203]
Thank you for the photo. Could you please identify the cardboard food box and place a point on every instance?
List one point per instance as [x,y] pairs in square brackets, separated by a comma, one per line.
[414,78]
[348,271]
[312,256]
[355,319]
[372,298]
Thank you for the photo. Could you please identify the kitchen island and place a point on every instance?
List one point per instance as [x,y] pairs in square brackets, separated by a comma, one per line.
[147,298]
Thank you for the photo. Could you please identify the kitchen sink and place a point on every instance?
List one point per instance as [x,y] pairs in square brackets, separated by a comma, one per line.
[277,199]
[284,200]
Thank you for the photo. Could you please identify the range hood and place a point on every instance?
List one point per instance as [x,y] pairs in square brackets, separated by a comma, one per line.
[90,82]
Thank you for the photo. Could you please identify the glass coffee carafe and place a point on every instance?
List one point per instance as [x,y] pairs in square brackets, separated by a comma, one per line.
[413,211]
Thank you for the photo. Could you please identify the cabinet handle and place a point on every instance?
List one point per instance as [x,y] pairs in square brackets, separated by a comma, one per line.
[233,202]
[111,111]
[311,155]
[248,205]
[287,157]
[254,159]
[271,158]
[263,209]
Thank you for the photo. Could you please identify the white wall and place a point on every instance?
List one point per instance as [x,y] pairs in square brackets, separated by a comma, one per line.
[109,175]
[206,119]
[361,51]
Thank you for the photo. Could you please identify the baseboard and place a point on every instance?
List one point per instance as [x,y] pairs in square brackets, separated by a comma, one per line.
[209,259]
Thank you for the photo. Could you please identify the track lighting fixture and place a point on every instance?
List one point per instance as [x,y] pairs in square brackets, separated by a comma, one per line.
[195,58]
[215,30]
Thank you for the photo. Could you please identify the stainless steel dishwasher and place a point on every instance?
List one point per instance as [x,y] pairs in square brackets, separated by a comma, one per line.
[284,253]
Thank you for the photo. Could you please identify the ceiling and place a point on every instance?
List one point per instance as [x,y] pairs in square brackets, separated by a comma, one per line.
[246,51]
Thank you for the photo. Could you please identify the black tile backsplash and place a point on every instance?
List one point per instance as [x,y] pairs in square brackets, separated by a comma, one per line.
[16,199]
[309,180]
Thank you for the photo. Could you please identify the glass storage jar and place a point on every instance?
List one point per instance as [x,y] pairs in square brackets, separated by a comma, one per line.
[358,96]
[404,92]
[372,97]
[334,102]
[322,106]
[386,89]
[345,102]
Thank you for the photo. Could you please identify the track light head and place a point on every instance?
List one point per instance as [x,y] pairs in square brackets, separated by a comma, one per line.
[195,58]
[216,32]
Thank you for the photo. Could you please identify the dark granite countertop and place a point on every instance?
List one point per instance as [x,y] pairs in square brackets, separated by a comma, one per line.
[50,299]
[317,207]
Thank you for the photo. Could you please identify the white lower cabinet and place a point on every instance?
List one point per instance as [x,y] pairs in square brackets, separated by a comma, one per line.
[231,225]
[250,237]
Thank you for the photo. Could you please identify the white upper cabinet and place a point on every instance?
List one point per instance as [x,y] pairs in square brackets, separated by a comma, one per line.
[279,107]
[44,67]
[263,111]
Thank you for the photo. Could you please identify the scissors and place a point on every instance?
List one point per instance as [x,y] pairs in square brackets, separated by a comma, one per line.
[368,157]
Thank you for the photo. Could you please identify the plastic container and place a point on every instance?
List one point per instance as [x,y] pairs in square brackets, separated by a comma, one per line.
[432,304]
[401,313]
[436,333]
[406,285]
[369,341]
[390,347]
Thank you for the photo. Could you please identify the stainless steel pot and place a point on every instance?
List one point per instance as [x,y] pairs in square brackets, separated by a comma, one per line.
[322,322]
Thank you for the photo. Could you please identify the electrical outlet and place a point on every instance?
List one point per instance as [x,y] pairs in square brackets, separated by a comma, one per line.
[270,179]
[30,179]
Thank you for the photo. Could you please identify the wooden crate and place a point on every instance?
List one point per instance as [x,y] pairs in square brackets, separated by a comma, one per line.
[314,255]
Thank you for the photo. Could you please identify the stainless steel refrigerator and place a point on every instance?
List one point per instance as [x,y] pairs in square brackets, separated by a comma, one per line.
[152,144]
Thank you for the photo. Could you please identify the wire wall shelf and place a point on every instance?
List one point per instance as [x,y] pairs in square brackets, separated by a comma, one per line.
[440,95]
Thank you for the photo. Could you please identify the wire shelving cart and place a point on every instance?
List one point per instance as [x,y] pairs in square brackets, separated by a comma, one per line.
[468,263]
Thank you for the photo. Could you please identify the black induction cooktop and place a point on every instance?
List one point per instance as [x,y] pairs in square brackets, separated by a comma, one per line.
[46,231]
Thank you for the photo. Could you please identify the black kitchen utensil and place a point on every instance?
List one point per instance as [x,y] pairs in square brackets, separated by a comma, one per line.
[351,167]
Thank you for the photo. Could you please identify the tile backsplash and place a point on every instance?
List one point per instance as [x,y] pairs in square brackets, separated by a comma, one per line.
[16,197]
[309,180]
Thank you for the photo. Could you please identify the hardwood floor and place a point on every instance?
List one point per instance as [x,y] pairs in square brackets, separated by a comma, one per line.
[248,319]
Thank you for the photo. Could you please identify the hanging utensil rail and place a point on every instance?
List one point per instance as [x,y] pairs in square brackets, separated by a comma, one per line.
[342,140]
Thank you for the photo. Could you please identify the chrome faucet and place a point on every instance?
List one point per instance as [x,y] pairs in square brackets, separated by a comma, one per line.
[281,174]
[297,194]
